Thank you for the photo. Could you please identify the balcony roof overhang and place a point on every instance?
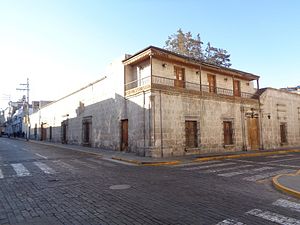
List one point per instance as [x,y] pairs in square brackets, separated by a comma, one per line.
[169,56]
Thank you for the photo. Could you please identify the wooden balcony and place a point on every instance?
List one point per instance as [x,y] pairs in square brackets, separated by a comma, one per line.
[134,87]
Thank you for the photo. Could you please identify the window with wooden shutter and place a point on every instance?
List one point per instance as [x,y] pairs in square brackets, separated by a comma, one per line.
[211,83]
[228,137]
[179,77]
[191,134]
[237,88]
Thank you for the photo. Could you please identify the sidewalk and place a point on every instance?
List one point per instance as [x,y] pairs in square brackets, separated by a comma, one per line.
[288,183]
[141,160]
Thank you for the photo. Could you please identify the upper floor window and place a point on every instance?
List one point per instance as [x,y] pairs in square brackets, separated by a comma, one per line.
[211,83]
[179,77]
[236,88]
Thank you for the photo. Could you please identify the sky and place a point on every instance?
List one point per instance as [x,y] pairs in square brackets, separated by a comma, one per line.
[62,45]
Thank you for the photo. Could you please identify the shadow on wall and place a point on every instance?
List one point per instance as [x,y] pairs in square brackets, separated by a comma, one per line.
[115,124]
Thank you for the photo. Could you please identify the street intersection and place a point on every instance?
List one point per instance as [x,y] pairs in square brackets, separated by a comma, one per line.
[42,184]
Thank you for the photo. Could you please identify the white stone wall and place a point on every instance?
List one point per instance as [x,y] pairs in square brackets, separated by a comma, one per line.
[172,110]
[102,100]
[280,107]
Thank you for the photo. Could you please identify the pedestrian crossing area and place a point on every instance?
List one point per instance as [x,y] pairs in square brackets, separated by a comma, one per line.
[289,215]
[49,167]
[251,172]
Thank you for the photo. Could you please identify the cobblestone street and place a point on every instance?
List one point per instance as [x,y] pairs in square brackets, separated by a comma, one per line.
[47,185]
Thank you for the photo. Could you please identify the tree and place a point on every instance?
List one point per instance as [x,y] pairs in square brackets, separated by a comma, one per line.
[184,44]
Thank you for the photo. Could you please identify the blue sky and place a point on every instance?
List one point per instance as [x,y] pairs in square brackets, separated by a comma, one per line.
[62,45]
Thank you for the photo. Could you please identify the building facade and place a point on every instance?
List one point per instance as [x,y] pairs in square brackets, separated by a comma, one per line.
[157,103]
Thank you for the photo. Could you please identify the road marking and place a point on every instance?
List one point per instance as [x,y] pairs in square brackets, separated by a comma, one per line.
[42,156]
[267,175]
[1,174]
[84,164]
[279,156]
[265,163]
[209,166]
[282,160]
[230,222]
[287,204]
[119,162]
[274,217]
[46,169]
[184,164]
[20,170]
[225,169]
[245,171]
[64,165]
[100,162]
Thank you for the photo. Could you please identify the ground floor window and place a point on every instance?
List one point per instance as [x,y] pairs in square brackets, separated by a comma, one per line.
[228,132]
[191,134]
[283,133]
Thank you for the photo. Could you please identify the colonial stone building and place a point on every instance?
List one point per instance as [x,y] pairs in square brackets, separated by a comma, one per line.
[158,103]
[280,118]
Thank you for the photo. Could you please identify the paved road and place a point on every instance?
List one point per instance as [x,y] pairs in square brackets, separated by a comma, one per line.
[47,185]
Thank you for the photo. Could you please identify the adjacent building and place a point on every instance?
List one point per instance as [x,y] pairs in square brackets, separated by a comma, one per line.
[157,103]
[292,89]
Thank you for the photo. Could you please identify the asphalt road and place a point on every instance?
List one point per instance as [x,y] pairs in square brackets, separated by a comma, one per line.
[47,185]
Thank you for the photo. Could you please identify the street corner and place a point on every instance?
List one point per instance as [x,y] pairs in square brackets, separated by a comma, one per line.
[147,163]
[288,183]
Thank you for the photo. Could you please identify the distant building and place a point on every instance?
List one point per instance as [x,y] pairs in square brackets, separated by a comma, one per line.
[292,89]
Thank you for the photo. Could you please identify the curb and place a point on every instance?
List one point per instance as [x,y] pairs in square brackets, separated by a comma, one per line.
[255,154]
[70,148]
[283,188]
[143,163]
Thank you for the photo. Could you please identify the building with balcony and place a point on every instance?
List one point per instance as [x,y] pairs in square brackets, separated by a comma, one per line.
[157,103]
[194,107]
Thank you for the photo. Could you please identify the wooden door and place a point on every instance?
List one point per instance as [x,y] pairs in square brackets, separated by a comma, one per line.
[124,135]
[283,136]
[228,134]
[86,131]
[253,133]
[43,133]
[179,77]
[64,129]
[211,83]
[191,134]
[236,88]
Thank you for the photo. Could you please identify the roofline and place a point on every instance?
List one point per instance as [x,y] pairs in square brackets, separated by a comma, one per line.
[190,58]
[276,89]
[74,92]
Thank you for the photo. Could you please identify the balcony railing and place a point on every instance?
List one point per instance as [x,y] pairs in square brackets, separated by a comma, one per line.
[137,85]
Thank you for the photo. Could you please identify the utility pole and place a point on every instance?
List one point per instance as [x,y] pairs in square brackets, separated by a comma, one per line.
[25,89]
[26,107]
